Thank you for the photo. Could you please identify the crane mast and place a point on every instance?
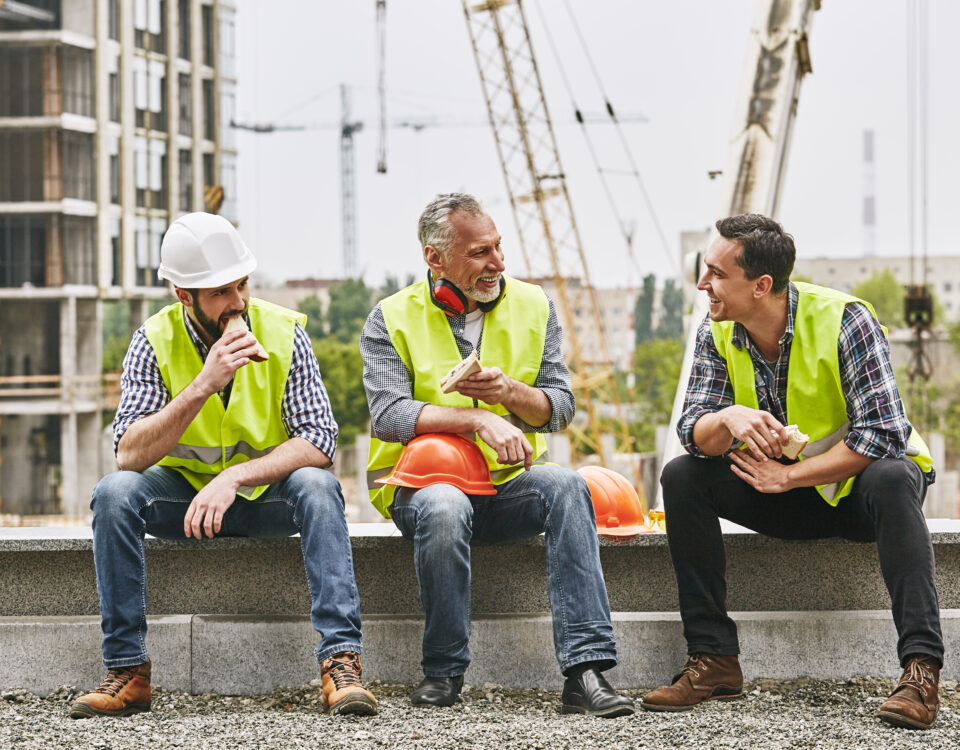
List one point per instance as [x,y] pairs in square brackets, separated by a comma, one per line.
[549,240]
[777,60]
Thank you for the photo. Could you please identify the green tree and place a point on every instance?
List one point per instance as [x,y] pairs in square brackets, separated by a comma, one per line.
[643,311]
[391,285]
[656,371]
[342,370]
[885,293]
[348,309]
[671,321]
[312,307]
[116,334]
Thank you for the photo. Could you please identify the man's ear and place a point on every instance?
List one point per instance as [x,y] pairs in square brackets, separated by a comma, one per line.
[434,259]
[184,296]
[762,286]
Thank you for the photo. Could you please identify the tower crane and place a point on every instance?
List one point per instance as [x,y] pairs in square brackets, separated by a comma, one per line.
[549,239]
[777,59]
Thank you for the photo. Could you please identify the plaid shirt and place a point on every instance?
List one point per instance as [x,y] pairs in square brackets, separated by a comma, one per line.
[394,411]
[305,409]
[878,424]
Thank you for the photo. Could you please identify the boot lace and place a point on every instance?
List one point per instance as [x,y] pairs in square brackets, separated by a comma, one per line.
[345,670]
[694,666]
[915,676]
[114,682]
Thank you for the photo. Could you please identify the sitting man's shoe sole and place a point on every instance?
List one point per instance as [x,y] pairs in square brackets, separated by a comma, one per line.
[607,713]
[658,707]
[355,704]
[86,711]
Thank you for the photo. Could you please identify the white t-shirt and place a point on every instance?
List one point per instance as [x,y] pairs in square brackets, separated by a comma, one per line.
[473,327]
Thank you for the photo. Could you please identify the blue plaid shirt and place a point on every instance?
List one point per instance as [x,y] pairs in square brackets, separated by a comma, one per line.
[878,424]
[305,411]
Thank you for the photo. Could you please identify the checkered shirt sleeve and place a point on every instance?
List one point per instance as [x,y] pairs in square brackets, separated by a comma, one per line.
[878,424]
[305,410]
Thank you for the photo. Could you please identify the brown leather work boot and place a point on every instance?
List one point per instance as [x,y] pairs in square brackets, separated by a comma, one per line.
[705,677]
[915,701]
[124,691]
[343,691]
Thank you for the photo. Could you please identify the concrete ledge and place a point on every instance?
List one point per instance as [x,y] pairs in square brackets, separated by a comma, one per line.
[253,655]
[49,572]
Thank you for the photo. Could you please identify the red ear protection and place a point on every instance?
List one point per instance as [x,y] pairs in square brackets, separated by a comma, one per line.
[449,298]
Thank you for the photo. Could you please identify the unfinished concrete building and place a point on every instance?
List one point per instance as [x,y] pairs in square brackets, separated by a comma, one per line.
[114,120]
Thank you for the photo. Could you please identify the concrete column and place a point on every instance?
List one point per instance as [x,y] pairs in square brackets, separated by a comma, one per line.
[68,423]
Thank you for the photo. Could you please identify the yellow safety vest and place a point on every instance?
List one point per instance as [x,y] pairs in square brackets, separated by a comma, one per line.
[514,333]
[251,425]
[815,400]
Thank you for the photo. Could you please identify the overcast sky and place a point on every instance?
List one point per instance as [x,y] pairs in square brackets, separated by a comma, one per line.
[679,63]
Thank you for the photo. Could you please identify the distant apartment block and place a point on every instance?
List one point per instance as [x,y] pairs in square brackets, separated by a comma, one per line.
[942,274]
[114,119]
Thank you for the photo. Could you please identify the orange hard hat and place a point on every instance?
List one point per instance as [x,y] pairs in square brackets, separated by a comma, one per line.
[442,458]
[616,503]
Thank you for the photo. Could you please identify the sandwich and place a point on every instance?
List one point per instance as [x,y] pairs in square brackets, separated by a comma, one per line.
[237,323]
[796,441]
[467,367]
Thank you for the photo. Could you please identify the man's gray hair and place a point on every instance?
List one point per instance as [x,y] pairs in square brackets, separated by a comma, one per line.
[434,225]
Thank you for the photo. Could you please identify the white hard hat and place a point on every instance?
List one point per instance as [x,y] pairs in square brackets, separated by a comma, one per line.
[203,251]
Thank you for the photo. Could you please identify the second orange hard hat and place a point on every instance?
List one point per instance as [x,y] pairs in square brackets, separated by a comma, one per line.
[442,458]
[616,503]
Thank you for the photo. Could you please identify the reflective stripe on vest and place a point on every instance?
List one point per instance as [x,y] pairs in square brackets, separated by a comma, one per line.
[251,425]
[815,399]
[513,338]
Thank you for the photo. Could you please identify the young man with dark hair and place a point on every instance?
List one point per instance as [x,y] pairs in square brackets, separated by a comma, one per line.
[773,353]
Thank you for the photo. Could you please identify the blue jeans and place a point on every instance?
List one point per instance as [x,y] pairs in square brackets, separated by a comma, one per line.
[441,521]
[127,504]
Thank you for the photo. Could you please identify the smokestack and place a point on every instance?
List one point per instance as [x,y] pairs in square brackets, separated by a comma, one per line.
[869,197]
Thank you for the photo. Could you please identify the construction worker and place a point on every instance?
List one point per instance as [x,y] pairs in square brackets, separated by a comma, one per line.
[211,440]
[410,340]
[773,353]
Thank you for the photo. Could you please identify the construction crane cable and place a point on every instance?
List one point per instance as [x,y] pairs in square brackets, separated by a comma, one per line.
[623,140]
[627,235]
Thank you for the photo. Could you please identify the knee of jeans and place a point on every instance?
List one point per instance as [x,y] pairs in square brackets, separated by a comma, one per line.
[113,494]
[889,482]
[316,487]
[568,485]
[444,509]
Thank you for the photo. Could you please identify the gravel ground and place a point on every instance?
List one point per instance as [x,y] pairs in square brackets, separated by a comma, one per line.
[775,714]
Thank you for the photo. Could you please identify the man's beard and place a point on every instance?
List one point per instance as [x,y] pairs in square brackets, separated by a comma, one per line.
[209,325]
[475,294]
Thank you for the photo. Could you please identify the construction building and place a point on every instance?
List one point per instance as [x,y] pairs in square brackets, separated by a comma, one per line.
[114,120]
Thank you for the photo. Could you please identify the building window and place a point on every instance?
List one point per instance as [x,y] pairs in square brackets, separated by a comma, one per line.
[228,105]
[113,146]
[76,70]
[113,19]
[186,180]
[148,233]
[78,167]
[206,18]
[228,180]
[150,94]
[116,275]
[208,113]
[150,25]
[150,172]
[209,179]
[226,52]
[183,12]
[186,104]
[23,249]
[80,263]
[22,154]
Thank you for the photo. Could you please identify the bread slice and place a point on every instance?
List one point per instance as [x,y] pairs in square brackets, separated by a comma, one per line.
[797,441]
[237,323]
[467,367]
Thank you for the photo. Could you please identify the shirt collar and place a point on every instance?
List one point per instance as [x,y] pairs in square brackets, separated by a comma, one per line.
[740,336]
